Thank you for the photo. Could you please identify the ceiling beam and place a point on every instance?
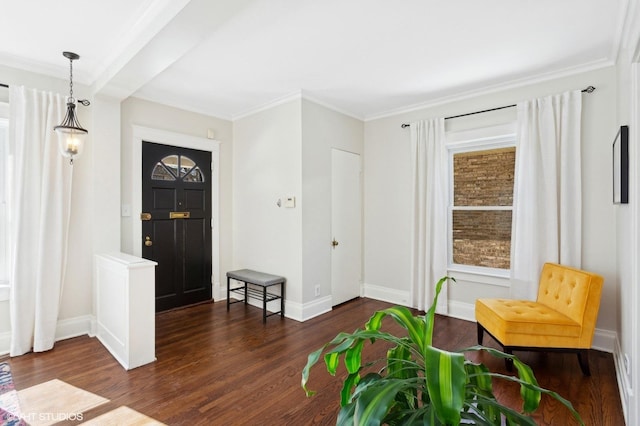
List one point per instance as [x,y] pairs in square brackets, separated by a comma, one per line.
[171,35]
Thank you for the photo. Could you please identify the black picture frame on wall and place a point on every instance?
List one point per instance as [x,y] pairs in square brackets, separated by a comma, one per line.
[621,166]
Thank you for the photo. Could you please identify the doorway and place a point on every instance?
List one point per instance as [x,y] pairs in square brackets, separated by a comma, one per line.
[346,226]
[132,226]
[176,222]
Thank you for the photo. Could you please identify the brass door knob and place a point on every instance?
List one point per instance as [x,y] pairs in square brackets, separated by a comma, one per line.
[147,241]
[334,243]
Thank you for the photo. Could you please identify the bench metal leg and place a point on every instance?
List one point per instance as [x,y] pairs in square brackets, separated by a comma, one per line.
[282,300]
[228,292]
[264,305]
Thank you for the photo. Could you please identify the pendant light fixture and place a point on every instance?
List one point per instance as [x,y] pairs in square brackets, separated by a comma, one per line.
[71,135]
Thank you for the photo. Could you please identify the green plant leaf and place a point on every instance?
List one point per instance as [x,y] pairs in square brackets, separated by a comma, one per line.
[340,344]
[375,401]
[332,360]
[511,416]
[345,416]
[446,379]
[530,394]
[312,359]
[480,384]
[431,313]
[349,383]
[478,376]
[368,380]
[400,364]
[552,394]
[353,357]
[404,318]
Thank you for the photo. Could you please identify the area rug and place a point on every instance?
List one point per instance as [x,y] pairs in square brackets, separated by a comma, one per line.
[10,413]
[123,416]
[56,401]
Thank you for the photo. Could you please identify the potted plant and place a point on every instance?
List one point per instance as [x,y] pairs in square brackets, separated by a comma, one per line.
[419,384]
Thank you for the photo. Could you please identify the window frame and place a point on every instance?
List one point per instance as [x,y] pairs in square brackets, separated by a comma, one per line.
[481,139]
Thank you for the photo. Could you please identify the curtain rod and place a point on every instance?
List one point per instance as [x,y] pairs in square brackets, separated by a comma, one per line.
[587,90]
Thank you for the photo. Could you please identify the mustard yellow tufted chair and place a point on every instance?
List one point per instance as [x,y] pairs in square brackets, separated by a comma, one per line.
[563,318]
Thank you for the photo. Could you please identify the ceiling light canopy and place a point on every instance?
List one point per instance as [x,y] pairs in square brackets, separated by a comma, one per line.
[71,135]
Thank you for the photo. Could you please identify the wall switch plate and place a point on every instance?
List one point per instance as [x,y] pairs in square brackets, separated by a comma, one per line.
[317,291]
[290,202]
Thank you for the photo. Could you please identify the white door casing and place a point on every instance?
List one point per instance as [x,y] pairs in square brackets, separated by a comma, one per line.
[164,137]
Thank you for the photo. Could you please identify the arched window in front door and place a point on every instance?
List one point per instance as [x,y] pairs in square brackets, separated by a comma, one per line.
[177,167]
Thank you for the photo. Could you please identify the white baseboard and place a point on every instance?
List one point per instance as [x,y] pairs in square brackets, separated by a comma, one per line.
[305,311]
[461,310]
[217,292]
[605,341]
[73,327]
[294,310]
[624,384]
[5,342]
[385,294]
[65,329]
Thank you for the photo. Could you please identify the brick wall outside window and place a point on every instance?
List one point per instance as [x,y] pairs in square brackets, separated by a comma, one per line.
[483,179]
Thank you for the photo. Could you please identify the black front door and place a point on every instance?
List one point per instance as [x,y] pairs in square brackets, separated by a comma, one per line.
[176,222]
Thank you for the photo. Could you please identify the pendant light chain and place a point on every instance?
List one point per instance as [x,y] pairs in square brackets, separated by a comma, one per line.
[71,99]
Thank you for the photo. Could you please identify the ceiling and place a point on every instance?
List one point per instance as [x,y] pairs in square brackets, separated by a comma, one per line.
[366,58]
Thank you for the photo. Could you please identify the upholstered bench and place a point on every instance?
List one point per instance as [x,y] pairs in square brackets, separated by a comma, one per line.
[251,279]
[563,318]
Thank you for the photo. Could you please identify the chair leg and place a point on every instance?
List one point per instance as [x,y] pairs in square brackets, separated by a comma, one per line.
[480,333]
[583,359]
[508,362]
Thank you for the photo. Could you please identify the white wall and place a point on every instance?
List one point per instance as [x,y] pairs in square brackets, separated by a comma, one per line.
[149,114]
[286,151]
[322,129]
[267,153]
[388,198]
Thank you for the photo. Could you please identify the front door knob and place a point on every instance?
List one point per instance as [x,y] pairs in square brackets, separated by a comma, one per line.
[147,241]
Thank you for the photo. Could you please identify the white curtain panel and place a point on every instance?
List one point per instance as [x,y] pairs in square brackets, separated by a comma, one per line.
[39,212]
[429,214]
[547,206]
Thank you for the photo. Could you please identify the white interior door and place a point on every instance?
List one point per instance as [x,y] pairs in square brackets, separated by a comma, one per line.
[346,226]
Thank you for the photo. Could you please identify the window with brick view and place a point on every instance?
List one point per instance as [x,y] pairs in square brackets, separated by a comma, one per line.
[482,206]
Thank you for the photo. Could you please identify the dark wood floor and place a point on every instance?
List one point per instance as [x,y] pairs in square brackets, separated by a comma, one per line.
[215,367]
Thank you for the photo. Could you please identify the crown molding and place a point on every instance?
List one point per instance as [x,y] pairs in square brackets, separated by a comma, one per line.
[327,105]
[268,105]
[185,107]
[495,88]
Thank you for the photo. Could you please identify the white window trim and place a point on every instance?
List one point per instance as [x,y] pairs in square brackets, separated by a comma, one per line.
[487,138]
